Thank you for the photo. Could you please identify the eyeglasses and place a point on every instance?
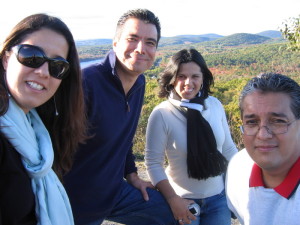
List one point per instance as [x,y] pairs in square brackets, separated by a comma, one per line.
[33,57]
[272,128]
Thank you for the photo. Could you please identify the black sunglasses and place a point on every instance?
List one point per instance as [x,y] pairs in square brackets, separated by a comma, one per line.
[33,57]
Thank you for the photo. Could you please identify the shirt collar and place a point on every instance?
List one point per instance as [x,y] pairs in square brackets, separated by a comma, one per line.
[286,188]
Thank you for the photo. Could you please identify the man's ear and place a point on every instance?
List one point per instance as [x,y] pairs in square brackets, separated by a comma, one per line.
[115,42]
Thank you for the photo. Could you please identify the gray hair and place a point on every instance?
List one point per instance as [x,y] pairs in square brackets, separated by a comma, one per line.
[274,82]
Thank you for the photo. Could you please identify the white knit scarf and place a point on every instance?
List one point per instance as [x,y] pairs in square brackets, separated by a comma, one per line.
[184,103]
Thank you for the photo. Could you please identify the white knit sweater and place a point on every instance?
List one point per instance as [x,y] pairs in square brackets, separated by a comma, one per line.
[166,135]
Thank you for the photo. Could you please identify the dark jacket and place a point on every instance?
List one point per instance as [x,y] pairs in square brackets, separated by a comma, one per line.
[17,201]
[102,163]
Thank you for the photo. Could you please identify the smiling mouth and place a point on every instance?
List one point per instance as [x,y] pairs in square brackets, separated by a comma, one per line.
[189,90]
[35,86]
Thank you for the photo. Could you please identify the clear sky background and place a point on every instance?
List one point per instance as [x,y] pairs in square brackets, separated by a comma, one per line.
[90,19]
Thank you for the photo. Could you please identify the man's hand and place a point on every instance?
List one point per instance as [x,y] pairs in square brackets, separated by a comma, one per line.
[140,184]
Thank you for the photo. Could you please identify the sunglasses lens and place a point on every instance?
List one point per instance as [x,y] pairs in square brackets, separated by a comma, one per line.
[30,56]
[58,68]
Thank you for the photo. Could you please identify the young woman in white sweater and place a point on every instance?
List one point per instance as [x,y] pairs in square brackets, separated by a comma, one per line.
[191,129]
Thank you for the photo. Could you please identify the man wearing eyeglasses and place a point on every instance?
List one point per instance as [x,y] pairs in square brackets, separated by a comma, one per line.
[263,179]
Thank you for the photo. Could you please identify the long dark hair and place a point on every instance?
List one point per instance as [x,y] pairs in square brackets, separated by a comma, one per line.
[203,158]
[168,76]
[68,129]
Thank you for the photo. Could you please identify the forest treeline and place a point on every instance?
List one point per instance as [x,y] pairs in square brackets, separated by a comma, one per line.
[232,67]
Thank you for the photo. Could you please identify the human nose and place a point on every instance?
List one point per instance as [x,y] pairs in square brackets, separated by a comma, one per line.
[43,70]
[264,132]
[140,48]
[187,81]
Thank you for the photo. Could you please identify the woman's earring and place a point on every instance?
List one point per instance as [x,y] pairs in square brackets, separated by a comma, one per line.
[56,112]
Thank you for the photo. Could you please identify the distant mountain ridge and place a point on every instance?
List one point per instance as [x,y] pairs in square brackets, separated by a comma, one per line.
[187,39]
[241,39]
[271,34]
[211,38]
[94,42]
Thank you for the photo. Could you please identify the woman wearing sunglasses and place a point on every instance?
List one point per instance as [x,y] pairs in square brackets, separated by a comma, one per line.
[41,120]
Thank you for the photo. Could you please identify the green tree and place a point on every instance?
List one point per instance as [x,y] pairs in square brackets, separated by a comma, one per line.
[151,100]
[291,32]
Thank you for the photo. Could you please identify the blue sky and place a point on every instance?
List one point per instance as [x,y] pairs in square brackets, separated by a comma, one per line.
[89,19]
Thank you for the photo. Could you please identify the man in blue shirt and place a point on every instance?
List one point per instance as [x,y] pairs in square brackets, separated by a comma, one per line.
[103,183]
